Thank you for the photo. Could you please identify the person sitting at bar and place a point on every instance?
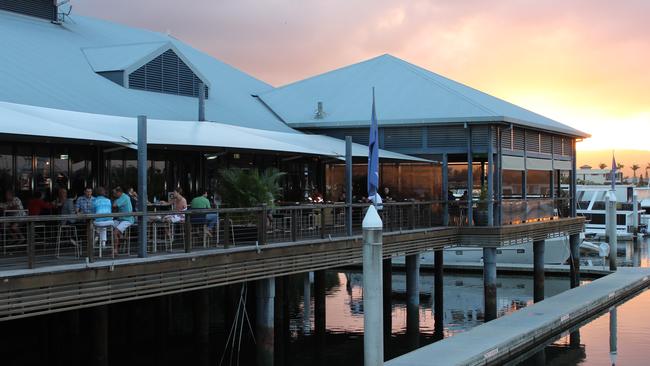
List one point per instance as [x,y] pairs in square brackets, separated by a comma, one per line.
[179,203]
[202,203]
[38,206]
[61,197]
[123,205]
[13,203]
[65,205]
[84,204]
[133,195]
[387,196]
[101,205]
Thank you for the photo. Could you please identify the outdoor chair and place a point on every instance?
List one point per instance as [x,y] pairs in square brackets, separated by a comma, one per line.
[69,232]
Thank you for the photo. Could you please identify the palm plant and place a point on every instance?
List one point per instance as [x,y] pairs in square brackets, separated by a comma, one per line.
[602,166]
[634,168]
[647,167]
[249,188]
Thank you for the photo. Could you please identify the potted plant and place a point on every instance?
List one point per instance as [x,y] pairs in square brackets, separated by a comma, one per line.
[481,212]
[245,188]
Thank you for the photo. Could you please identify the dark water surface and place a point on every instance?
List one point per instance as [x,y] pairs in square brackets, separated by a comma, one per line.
[209,327]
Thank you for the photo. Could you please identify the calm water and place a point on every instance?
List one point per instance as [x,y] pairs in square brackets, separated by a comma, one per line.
[619,336]
[171,330]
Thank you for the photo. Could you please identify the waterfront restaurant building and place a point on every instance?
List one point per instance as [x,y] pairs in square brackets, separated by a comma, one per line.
[71,88]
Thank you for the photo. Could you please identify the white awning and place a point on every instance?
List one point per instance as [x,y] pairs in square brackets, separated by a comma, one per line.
[539,164]
[512,162]
[19,119]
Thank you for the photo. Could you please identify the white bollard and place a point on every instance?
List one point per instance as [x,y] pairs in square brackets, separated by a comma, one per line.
[373,318]
[610,207]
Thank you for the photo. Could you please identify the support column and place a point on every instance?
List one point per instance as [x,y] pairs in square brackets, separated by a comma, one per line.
[99,315]
[264,320]
[445,189]
[142,186]
[319,314]
[348,185]
[490,283]
[373,343]
[613,339]
[490,180]
[387,268]
[306,303]
[610,220]
[202,316]
[282,333]
[574,339]
[470,177]
[438,306]
[574,271]
[538,270]
[413,299]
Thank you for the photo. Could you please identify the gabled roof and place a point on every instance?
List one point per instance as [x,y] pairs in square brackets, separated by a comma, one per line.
[405,95]
[50,65]
[123,57]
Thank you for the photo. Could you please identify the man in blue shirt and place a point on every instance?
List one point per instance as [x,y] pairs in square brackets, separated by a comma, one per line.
[84,203]
[123,205]
[102,205]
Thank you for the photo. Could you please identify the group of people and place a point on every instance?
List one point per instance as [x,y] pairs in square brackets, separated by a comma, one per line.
[98,202]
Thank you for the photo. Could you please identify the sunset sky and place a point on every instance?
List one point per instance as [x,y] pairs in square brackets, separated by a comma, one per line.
[584,63]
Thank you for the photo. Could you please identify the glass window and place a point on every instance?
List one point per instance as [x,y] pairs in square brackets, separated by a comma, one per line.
[115,172]
[42,175]
[6,169]
[60,170]
[130,175]
[157,180]
[538,183]
[512,183]
[24,173]
[78,175]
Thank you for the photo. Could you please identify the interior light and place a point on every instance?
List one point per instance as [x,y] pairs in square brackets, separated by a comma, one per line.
[64,157]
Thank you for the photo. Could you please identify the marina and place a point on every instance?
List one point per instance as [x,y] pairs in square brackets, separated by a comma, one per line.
[162,206]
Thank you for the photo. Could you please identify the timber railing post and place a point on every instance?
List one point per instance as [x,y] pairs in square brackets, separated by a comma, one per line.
[294,224]
[188,233]
[322,223]
[30,245]
[90,241]
[261,234]
[227,240]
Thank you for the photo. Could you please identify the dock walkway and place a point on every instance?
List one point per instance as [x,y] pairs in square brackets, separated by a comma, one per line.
[501,339]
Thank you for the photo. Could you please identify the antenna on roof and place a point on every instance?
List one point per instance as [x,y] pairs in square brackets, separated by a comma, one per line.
[320,113]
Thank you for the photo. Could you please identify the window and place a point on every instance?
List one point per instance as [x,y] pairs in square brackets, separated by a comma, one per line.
[167,74]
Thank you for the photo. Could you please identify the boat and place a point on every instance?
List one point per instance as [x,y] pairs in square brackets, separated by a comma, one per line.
[591,205]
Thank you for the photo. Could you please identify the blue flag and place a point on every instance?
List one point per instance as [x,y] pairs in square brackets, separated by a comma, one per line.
[614,167]
[373,154]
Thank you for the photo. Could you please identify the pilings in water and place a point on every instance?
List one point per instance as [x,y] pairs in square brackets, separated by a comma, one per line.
[387,268]
[613,339]
[490,283]
[373,342]
[538,270]
[264,320]
[574,263]
[413,299]
[610,220]
[438,305]
[99,316]
[282,320]
[319,313]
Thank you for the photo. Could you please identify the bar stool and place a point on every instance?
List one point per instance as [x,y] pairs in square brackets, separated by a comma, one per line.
[72,237]
[99,230]
[170,235]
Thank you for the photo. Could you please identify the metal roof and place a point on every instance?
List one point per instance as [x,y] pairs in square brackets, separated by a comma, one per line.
[51,65]
[19,119]
[406,95]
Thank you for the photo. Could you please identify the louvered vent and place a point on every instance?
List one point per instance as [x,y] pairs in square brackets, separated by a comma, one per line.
[480,137]
[506,138]
[546,144]
[566,146]
[168,74]
[37,8]
[557,145]
[532,141]
[446,136]
[518,139]
[402,137]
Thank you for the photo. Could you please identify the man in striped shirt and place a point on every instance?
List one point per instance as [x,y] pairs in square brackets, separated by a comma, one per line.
[84,203]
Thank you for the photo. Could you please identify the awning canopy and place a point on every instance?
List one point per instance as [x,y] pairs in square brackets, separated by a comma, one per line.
[20,119]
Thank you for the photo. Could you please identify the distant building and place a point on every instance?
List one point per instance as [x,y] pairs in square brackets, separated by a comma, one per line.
[587,175]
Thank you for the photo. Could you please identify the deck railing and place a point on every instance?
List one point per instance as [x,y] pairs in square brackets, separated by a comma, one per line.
[31,241]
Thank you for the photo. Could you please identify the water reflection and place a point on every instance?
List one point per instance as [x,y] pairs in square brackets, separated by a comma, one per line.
[463,310]
[616,337]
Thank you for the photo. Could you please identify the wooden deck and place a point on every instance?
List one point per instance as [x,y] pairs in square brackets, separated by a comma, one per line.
[64,286]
